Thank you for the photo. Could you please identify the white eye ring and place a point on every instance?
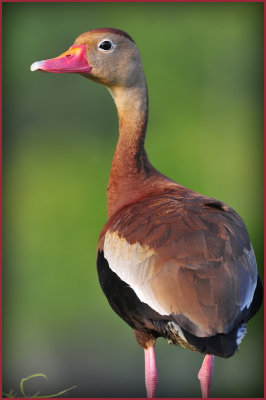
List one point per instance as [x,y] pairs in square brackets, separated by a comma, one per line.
[105,45]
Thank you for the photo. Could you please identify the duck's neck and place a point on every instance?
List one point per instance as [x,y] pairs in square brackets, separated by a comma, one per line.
[130,166]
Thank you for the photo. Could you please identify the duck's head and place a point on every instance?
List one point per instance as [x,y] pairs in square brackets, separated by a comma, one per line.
[107,55]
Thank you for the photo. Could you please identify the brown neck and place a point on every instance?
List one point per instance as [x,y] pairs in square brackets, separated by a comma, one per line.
[130,166]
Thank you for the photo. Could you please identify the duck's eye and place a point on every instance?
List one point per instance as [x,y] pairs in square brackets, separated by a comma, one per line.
[106,45]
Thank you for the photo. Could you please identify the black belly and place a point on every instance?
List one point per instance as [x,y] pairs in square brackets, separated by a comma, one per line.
[140,316]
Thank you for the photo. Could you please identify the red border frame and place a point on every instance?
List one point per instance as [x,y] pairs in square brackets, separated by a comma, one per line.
[122,1]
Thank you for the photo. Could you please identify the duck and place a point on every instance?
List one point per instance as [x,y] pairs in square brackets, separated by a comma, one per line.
[171,262]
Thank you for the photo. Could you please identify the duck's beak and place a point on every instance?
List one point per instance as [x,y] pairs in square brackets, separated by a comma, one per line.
[73,60]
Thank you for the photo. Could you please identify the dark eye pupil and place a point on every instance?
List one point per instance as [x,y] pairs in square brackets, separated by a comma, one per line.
[106,45]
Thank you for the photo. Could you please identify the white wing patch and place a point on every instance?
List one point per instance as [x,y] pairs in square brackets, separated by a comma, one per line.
[135,265]
[240,334]
[252,284]
[139,266]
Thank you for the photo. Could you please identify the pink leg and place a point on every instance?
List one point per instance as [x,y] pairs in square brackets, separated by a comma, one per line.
[151,377]
[205,375]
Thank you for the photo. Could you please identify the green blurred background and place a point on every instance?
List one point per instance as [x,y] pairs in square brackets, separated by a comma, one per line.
[204,68]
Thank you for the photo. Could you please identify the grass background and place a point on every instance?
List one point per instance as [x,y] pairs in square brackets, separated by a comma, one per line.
[204,67]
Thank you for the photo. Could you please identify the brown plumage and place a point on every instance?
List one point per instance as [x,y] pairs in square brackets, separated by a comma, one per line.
[171,262]
[197,246]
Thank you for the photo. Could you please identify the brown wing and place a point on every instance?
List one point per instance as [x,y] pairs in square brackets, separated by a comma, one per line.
[185,255]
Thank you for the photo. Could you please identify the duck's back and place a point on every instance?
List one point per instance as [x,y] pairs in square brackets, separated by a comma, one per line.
[185,258]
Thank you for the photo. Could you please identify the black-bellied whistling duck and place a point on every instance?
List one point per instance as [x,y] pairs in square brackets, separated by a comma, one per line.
[171,262]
